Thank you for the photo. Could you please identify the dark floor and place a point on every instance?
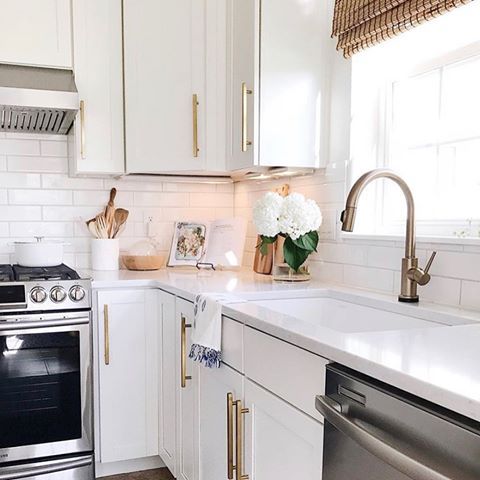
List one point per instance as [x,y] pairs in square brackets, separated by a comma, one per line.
[157,474]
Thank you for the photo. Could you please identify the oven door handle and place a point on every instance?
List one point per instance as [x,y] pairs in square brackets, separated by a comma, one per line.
[45,468]
[9,325]
[377,446]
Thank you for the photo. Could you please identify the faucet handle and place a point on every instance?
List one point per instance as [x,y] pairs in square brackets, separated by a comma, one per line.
[430,261]
[422,277]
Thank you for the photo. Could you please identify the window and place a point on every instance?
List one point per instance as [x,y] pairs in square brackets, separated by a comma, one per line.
[416,110]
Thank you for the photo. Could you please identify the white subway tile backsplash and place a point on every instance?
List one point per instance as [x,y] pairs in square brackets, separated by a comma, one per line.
[14,213]
[53,149]
[369,278]
[19,146]
[68,183]
[19,180]
[39,197]
[470,297]
[100,198]
[42,229]
[36,164]
[163,199]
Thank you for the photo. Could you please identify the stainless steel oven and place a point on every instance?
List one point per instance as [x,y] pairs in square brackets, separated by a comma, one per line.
[374,431]
[45,386]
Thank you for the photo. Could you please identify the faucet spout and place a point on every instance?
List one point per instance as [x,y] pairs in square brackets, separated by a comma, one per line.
[412,275]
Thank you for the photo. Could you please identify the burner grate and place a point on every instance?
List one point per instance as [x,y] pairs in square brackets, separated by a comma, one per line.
[61,272]
[6,273]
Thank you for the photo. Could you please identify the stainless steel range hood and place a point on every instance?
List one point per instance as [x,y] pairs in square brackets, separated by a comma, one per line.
[37,100]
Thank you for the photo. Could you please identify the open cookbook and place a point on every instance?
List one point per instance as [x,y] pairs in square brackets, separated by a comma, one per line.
[218,244]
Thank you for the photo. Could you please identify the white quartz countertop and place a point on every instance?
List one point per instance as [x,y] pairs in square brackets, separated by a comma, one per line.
[440,364]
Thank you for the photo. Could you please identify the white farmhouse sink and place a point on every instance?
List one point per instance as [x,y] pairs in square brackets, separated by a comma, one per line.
[343,316]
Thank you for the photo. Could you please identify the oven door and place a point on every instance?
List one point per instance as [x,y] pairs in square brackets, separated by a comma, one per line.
[45,387]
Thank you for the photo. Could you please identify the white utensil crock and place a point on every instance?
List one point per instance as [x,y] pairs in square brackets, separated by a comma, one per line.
[105,253]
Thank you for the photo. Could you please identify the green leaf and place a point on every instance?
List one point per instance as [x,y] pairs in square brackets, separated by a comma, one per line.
[264,242]
[308,242]
[294,255]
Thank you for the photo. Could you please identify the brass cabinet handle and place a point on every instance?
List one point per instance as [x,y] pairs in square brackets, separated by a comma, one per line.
[240,446]
[106,335]
[245,141]
[230,466]
[183,353]
[195,124]
[82,128]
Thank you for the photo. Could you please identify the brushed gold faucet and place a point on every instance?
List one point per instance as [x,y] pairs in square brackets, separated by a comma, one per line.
[412,274]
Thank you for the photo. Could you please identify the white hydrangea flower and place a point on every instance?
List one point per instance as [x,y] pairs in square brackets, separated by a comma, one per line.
[299,216]
[266,213]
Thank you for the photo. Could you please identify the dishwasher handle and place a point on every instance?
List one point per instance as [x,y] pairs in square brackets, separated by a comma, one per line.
[377,446]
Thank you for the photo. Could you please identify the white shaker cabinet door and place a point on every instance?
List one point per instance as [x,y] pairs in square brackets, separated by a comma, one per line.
[280,441]
[220,389]
[187,396]
[243,84]
[128,374]
[36,32]
[96,142]
[167,436]
[164,85]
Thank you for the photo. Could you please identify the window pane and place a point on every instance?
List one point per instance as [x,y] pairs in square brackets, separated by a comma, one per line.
[461,100]
[415,109]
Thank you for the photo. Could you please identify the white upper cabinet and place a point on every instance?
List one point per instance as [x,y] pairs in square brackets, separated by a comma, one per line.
[279,81]
[36,33]
[96,143]
[165,86]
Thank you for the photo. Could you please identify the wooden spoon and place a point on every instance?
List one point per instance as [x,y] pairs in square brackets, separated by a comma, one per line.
[110,212]
[120,218]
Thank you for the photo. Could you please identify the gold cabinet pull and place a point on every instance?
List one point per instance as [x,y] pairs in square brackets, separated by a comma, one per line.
[82,128]
[183,353]
[230,466]
[245,141]
[240,446]
[195,124]
[106,335]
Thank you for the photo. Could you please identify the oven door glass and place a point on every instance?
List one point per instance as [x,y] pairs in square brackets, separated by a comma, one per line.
[40,388]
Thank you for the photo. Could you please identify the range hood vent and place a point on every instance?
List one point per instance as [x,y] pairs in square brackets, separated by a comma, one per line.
[37,100]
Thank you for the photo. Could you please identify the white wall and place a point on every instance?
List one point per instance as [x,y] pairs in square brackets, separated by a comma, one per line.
[38,198]
[367,264]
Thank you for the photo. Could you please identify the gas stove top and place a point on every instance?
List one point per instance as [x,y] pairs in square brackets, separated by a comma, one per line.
[12,273]
[42,289]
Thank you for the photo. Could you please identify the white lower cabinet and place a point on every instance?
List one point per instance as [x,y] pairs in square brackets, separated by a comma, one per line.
[281,442]
[128,374]
[167,427]
[219,390]
[187,396]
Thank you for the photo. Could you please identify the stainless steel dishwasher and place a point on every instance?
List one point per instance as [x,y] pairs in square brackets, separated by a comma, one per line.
[374,431]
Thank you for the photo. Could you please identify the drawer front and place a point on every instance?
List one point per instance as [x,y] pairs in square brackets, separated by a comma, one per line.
[290,372]
[232,343]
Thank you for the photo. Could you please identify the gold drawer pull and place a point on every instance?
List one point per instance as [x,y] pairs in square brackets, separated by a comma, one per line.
[195,124]
[240,446]
[230,466]
[106,334]
[245,141]
[183,353]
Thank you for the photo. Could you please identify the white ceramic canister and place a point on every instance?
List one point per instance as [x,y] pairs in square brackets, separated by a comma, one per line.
[105,253]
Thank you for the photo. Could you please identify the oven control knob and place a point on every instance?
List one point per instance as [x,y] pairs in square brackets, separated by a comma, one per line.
[58,294]
[76,293]
[38,294]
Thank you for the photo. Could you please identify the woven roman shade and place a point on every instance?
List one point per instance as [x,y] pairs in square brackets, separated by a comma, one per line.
[359,24]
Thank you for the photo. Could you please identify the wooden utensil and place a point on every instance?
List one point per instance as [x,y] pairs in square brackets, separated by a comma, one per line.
[119,219]
[110,212]
[101,226]
[92,227]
